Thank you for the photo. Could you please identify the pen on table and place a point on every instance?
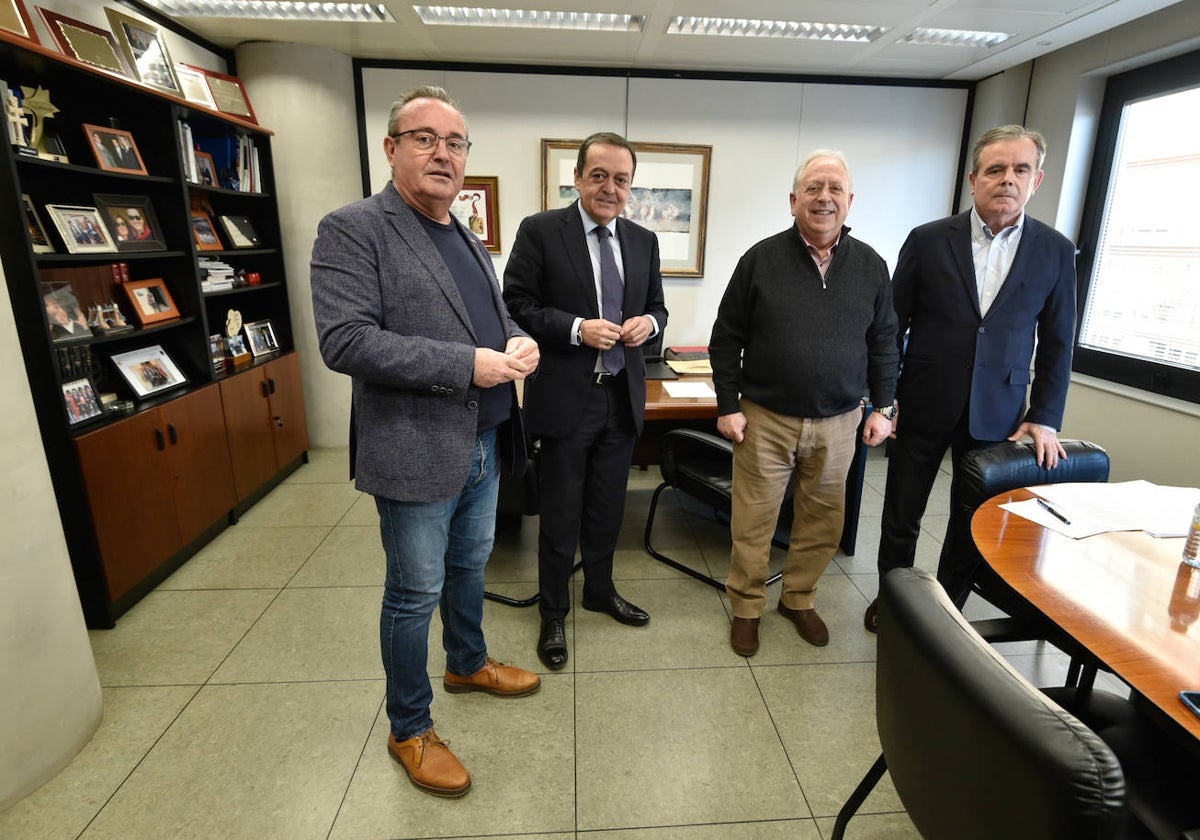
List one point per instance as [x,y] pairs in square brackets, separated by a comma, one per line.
[1054,512]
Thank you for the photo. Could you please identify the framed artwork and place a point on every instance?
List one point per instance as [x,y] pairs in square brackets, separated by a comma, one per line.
[86,43]
[14,19]
[207,169]
[478,207]
[216,352]
[65,319]
[114,149]
[81,229]
[151,301]
[227,92]
[194,85]
[131,221]
[239,232]
[149,370]
[80,400]
[204,233]
[669,196]
[261,338]
[33,224]
[145,50]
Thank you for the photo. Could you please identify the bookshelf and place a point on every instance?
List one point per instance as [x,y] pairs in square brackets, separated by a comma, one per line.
[139,492]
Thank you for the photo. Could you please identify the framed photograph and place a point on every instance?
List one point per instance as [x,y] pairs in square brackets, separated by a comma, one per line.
[239,232]
[33,223]
[669,196]
[478,207]
[145,50]
[14,19]
[86,43]
[216,352]
[81,229]
[114,149]
[149,370]
[194,85]
[151,301]
[80,401]
[65,318]
[235,349]
[227,92]
[207,170]
[204,233]
[261,338]
[131,221]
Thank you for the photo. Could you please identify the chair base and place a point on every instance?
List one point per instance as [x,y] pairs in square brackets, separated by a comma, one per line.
[858,797]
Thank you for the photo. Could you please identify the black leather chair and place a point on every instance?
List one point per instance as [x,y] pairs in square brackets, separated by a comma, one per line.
[974,750]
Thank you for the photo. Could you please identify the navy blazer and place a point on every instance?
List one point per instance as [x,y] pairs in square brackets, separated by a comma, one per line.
[548,283]
[955,357]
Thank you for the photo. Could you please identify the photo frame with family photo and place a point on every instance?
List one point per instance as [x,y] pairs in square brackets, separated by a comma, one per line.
[81,228]
[114,149]
[79,399]
[150,300]
[261,338]
[149,370]
[131,221]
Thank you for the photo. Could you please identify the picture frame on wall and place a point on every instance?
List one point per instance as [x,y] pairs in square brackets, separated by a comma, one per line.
[81,228]
[149,370]
[131,221]
[79,399]
[38,239]
[477,206]
[261,338]
[150,300]
[15,19]
[114,149]
[145,50]
[669,196]
[84,42]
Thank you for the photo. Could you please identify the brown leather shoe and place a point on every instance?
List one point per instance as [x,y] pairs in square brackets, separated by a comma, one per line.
[430,764]
[810,626]
[743,636]
[871,619]
[494,678]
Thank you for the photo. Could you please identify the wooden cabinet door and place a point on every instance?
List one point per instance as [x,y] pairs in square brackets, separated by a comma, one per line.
[286,396]
[249,425]
[201,472]
[127,477]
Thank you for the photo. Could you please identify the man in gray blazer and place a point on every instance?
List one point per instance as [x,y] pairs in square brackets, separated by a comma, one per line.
[408,304]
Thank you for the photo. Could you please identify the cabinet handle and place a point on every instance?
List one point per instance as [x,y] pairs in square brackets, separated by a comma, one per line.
[271,384]
[160,440]
[172,434]
[263,386]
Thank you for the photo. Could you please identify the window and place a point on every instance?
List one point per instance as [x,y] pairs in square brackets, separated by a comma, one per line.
[1140,238]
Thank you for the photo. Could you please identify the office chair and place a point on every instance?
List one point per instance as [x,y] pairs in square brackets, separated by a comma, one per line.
[974,750]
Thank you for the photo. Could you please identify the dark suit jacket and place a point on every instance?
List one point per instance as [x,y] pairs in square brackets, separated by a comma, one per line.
[389,314]
[954,357]
[548,283]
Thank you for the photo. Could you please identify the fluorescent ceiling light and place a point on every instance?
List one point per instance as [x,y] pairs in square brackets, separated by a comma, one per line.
[591,21]
[275,10]
[954,37]
[859,33]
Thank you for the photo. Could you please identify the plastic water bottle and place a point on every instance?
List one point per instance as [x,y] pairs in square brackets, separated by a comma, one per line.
[1191,548]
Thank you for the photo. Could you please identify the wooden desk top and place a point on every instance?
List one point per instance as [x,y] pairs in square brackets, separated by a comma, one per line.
[1126,596]
[661,406]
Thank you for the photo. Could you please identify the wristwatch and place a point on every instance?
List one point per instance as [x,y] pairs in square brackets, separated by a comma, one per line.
[888,411]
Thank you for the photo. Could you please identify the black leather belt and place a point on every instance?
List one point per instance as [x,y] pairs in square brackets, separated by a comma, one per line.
[604,377]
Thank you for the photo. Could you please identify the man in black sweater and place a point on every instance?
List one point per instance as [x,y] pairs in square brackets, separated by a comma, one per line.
[805,329]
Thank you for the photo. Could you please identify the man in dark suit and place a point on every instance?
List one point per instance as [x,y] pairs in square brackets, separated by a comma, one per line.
[407,303]
[588,398]
[977,292]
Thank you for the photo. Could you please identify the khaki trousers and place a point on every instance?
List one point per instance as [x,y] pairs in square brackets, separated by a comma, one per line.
[817,452]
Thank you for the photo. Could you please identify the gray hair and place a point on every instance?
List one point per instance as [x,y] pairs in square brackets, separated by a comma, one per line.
[421,92]
[1008,132]
[824,153]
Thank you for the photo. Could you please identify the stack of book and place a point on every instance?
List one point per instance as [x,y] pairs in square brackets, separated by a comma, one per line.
[216,276]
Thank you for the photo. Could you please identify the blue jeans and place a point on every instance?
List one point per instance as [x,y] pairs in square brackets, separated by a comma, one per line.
[436,553]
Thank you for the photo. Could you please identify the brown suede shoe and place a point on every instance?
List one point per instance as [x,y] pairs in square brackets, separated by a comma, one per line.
[743,636]
[430,764]
[494,678]
[871,619]
[810,626]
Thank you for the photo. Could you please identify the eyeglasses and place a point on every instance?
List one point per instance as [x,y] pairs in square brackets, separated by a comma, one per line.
[426,141]
[134,218]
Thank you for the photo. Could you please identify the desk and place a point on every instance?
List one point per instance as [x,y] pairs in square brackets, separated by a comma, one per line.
[1112,593]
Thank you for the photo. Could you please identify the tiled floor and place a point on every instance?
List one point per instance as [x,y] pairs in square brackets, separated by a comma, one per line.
[243,697]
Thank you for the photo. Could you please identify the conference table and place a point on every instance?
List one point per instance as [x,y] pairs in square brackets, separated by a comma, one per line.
[1125,596]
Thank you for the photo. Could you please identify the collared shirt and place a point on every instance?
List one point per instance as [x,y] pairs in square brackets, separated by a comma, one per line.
[593,246]
[993,254]
[815,252]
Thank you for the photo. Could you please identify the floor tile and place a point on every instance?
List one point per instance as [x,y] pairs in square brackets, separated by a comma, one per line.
[766,830]
[894,826]
[349,555]
[244,557]
[325,466]
[362,512]
[247,761]
[289,505]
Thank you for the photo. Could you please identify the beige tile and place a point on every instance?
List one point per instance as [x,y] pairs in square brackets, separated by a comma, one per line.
[325,466]
[350,555]
[519,752]
[825,715]
[244,557]
[311,634]
[252,761]
[363,512]
[134,718]
[289,505]
[678,748]
[766,830]
[895,826]
[176,638]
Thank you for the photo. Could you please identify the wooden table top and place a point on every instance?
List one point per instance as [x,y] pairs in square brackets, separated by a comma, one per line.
[1125,596]
[662,406]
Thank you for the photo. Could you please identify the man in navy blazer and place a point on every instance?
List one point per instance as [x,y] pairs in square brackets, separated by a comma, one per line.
[587,400]
[407,304]
[981,295]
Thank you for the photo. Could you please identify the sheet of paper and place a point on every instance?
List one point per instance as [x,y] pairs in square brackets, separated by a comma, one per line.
[699,366]
[689,390]
[1079,528]
[1119,506]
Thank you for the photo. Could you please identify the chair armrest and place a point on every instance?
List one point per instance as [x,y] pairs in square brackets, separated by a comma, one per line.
[688,445]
